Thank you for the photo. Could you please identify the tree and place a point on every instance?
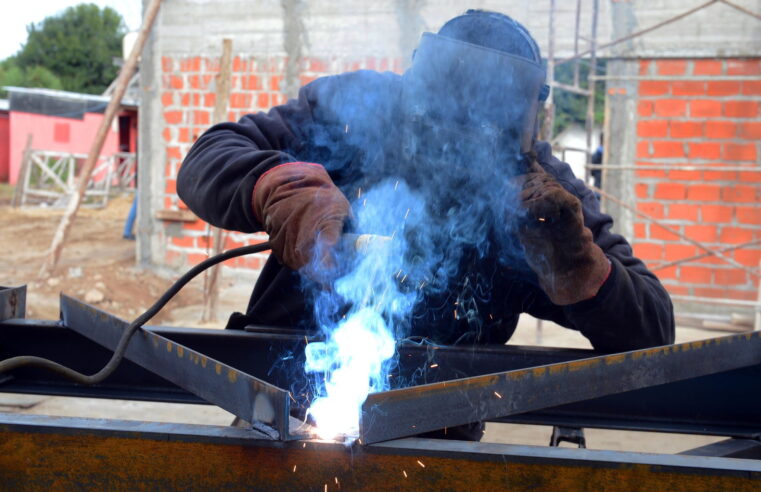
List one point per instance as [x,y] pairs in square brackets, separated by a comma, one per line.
[11,74]
[77,46]
[571,108]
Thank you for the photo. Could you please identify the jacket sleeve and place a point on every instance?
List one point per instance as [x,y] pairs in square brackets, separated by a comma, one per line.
[217,176]
[632,310]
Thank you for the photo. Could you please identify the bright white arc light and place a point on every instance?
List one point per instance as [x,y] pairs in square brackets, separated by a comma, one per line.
[354,356]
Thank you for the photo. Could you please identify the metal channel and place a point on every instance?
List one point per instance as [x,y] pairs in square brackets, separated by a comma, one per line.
[241,394]
[410,411]
[12,302]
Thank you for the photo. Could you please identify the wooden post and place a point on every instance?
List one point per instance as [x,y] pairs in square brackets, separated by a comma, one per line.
[122,81]
[18,191]
[211,280]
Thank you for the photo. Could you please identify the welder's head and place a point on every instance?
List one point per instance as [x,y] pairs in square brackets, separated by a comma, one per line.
[479,79]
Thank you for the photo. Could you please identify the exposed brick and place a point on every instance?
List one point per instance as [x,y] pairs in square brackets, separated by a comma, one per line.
[695,275]
[703,193]
[240,100]
[201,117]
[748,257]
[660,233]
[750,176]
[704,150]
[198,225]
[674,252]
[275,82]
[648,251]
[670,191]
[167,134]
[317,65]
[666,273]
[209,99]
[725,293]
[642,190]
[173,117]
[671,67]
[740,152]
[653,88]
[729,276]
[643,149]
[719,176]
[748,215]
[190,64]
[751,87]
[739,194]
[740,109]
[748,66]
[640,230]
[685,175]
[682,211]
[649,173]
[196,258]
[688,88]
[195,82]
[645,108]
[171,186]
[652,128]
[184,241]
[263,100]
[167,64]
[251,83]
[653,209]
[307,79]
[184,135]
[720,129]
[751,130]
[185,100]
[707,67]
[716,213]
[678,290]
[705,108]
[702,233]
[644,67]
[670,107]
[167,98]
[736,235]
[667,149]
[686,129]
[176,82]
[239,65]
[723,88]
[173,152]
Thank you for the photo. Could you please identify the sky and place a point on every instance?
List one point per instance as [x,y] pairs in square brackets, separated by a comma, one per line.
[14,20]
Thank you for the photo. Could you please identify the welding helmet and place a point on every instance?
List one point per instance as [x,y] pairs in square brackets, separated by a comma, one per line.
[475,86]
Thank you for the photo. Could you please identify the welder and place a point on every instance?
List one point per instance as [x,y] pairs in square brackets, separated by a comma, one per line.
[477,84]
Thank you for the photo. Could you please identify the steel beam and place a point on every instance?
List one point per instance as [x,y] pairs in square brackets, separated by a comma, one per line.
[44,453]
[417,409]
[241,394]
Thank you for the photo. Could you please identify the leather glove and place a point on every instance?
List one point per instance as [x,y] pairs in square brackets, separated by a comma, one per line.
[303,212]
[559,249]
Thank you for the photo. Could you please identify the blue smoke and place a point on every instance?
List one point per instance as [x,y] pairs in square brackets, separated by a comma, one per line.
[433,173]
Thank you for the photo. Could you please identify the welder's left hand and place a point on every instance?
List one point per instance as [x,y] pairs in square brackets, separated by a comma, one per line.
[559,248]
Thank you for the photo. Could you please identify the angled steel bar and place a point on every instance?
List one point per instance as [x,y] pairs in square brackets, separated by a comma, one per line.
[12,302]
[264,405]
[409,411]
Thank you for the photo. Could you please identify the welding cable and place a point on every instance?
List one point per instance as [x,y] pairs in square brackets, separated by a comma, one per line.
[116,358]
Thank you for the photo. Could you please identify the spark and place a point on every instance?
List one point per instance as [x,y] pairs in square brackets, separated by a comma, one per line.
[306,340]
[490,316]
[292,398]
[398,273]
[497,395]
[407,213]
[393,234]
[405,473]
[433,366]
[420,463]
[326,487]
[336,478]
[396,184]
[304,445]
[359,193]
[346,129]
[294,468]
[455,314]
[364,202]
[542,219]
[404,278]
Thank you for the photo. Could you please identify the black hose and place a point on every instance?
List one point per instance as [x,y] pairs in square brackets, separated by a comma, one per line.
[30,360]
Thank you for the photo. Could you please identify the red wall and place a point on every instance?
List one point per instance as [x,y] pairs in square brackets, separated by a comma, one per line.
[705,113]
[4,146]
[57,134]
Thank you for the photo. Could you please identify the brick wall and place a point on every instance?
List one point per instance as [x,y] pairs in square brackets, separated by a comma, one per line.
[705,113]
[188,98]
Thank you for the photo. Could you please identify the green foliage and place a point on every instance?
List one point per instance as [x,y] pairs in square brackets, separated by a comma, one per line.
[36,76]
[76,46]
[572,108]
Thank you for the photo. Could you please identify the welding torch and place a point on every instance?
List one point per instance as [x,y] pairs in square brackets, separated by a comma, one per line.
[350,243]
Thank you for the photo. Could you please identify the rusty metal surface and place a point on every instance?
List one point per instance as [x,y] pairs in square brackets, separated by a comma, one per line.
[241,394]
[12,302]
[417,409]
[43,453]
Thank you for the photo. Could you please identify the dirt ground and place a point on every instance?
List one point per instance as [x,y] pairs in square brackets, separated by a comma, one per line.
[99,264]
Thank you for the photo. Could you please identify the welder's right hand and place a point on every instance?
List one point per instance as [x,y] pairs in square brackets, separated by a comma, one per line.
[303,212]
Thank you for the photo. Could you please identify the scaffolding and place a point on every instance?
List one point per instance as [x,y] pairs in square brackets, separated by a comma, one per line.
[590,56]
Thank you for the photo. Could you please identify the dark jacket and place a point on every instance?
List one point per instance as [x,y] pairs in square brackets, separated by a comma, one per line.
[632,309]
